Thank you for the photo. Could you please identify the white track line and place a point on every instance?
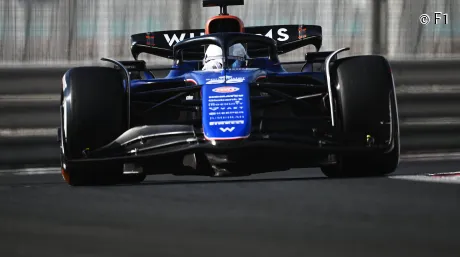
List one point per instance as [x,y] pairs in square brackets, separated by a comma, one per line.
[30,98]
[445,174]
[449,178]
[31,171]
[40,171]
[24,132]
[430,157]
[430,121]
[427,89]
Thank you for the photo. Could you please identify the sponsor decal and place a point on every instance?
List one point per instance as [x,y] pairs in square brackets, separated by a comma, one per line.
[225,89]
[245,69]
[281,35]
[226,79]
[227,129]
[175,39]
[226,110]
[239,114]
[302,32]
[150,39]
[217,123]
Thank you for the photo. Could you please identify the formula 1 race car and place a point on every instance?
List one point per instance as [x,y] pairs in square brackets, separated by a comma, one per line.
[232,111]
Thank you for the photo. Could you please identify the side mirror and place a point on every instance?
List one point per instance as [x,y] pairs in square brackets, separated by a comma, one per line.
[318,57]
[316,60]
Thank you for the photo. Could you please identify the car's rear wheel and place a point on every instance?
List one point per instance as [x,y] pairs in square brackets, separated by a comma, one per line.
[367,114]
[93,113]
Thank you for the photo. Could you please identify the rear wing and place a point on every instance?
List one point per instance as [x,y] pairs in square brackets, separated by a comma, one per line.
[288,37]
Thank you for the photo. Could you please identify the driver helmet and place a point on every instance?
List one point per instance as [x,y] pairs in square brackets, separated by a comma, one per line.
[214,56]
[238,52]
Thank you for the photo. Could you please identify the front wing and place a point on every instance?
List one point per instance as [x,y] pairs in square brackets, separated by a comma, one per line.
[148,142]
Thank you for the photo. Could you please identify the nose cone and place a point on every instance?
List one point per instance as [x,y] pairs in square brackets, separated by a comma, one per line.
[226,105]
[226,111]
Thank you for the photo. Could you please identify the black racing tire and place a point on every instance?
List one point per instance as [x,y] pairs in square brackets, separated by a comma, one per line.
[366,104]
[93,114]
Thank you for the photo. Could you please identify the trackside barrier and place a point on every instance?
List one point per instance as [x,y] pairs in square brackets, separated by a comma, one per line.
[428,98]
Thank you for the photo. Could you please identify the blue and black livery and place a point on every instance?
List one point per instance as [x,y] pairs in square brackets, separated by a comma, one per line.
[337,114]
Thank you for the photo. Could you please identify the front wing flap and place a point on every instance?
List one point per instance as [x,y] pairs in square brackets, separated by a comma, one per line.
[160,140]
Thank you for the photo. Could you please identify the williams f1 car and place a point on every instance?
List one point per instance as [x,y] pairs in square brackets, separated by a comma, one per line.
[241,115]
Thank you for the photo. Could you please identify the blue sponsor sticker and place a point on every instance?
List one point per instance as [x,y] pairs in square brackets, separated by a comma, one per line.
[225,89]
[226,111]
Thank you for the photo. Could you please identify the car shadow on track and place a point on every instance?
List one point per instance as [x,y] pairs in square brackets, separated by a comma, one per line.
[228,181]
[30,184]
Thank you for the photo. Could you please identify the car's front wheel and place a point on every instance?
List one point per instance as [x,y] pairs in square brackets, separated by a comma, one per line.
[93,113]
[367,113]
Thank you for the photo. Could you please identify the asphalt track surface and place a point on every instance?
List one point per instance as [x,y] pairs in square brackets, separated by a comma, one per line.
[294,213]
